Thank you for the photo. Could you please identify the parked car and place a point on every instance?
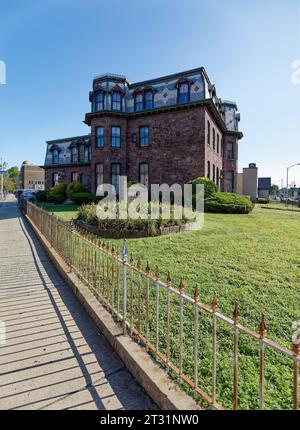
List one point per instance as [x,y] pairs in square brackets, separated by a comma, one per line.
[29,195]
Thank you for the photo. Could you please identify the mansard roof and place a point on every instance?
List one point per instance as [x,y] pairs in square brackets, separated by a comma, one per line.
[69,139]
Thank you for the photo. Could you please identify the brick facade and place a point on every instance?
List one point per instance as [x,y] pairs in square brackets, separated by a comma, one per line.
[185,139]
[65,174]
[31,177]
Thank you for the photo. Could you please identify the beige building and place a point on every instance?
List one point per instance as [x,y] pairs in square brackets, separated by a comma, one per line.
[31,177]
[247,182]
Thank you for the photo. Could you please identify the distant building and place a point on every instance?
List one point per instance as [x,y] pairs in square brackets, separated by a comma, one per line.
[249,184]
[166,130]
[31,177]
[264,187]
[250,181]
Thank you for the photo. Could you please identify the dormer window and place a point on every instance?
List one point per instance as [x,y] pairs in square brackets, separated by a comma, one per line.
[116,100]
[183,93]
[98,101]
[148,99]
[139,103]
[81,153]
[74,154]
[55,156]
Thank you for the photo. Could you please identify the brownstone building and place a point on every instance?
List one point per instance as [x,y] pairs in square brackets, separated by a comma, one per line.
[167,130]
[31,177]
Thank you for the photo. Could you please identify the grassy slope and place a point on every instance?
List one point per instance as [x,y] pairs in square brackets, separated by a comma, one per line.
[254,259]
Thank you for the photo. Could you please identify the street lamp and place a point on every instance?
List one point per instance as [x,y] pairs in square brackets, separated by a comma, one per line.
[287,179]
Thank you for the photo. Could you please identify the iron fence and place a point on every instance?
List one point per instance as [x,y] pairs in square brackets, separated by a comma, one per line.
[164,319]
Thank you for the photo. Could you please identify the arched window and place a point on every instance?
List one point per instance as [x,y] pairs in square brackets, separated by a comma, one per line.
[116,100]
[138,100]
[183,93]
[74,155]
[214,139]
[55,156]
[148,99]
[218,177]
[98,101]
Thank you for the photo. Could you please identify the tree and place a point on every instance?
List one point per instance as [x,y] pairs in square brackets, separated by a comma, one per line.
[274,189]
[10,178]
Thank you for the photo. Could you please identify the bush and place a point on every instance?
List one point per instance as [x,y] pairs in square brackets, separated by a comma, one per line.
[85,198]
[228,203]
[121,227]
[57,193]
[73,188]
[209,186]
[41,196]
[263,201]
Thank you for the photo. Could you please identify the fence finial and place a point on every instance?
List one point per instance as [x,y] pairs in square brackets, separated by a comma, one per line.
[296,348]
[124,251]
[139,264]
[157,274]
[262,327]
[147,270]
[236,314]
[214,303]
[181,286]
[169,279]
[196,294]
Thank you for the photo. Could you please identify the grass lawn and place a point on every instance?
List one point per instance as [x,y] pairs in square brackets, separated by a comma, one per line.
[66,212]
[278,205]
[254,259]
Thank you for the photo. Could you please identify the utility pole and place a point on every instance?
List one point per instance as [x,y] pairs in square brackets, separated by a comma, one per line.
[287,180]
[1,178]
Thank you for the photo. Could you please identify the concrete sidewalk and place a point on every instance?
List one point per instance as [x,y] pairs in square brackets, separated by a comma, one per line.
[54,357]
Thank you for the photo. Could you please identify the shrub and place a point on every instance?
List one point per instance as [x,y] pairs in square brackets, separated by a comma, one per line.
[57,193]
[209,186]
[121,227]
[41,196]
[228,203]
[85,198]
[263,201]
[73,188]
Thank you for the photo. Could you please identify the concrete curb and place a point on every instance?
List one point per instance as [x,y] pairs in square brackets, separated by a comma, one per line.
[149,375]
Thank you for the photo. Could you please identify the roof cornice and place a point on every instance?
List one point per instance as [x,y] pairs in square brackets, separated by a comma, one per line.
[58,166]
[168,77]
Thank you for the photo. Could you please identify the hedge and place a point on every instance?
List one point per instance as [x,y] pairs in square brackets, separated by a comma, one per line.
[73,188]
[209,186]
[263,201]
[150,227]
[42,196]
[228,203]
[85,198]
[57,193]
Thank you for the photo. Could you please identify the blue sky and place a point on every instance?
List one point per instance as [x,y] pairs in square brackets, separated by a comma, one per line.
[54,48]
